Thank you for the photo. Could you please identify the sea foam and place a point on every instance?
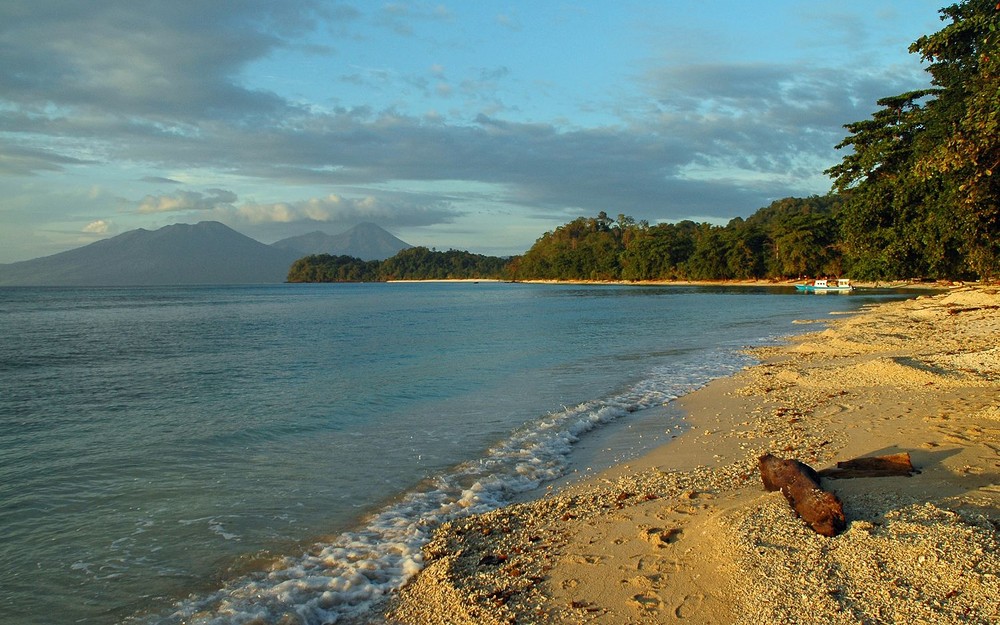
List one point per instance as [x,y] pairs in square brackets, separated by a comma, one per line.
[348,576]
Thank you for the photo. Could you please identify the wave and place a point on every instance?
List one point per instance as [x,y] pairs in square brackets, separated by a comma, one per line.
[349,575]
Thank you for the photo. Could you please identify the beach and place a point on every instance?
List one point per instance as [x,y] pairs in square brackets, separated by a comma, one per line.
[688,533]
[262,455]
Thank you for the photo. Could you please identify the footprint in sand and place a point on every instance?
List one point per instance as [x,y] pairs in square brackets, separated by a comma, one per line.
[658,564]
[689,606]
[648,582]
[646,602]
[585,559]
[661,537]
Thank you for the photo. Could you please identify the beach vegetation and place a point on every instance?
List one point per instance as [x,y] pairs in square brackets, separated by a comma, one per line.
[791,238]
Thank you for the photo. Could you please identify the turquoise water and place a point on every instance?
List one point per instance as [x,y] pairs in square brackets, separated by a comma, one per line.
[214,454]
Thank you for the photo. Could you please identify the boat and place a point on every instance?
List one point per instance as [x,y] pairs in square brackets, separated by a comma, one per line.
[841,285]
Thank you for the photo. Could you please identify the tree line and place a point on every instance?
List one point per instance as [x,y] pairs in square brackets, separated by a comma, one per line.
[914,197]
[790,238]
[415,263]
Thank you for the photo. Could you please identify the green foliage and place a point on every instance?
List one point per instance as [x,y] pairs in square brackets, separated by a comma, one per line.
[923,197]
[583,249]
[417,263]
[420,263]
[327,268]
[658,252]
[791,238]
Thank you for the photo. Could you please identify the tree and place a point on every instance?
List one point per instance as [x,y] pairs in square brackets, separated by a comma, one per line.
[965,65]
[922,197]
[417,263]
[583,249]
[421,263]
[658,252]
[708,259]
[327,268]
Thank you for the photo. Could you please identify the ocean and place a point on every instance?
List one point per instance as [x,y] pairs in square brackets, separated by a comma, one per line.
[224,454]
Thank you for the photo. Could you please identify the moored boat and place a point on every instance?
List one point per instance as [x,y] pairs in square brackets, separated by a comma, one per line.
[840,285]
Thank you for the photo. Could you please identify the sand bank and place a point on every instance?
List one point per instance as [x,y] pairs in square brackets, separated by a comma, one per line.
[687,533]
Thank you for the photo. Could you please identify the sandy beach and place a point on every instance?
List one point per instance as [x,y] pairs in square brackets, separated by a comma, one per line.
[687,532]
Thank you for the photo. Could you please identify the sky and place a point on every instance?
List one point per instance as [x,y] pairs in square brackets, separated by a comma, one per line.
[472,125]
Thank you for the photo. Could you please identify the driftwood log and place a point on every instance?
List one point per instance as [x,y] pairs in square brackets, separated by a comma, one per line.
[821,509]
[799,483]
[877,466]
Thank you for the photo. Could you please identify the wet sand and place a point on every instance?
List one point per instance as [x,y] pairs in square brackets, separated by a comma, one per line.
[687,533]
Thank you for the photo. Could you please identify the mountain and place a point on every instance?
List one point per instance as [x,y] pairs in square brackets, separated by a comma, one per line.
[365,241]
[205,253]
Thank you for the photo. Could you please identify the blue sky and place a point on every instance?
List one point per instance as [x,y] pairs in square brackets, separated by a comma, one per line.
[467,125]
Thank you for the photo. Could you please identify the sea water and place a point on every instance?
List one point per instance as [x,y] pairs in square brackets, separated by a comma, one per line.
[224,454]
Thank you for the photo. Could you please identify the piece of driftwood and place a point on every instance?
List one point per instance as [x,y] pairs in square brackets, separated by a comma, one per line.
[799,483]
[875,466]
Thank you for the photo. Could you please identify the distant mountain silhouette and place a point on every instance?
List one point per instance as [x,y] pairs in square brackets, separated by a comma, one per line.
[365,241]
[206,253]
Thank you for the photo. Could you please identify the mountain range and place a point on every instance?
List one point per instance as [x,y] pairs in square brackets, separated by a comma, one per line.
[182,254]
[365,241]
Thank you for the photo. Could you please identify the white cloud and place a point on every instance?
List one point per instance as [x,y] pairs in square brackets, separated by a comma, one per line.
[265,213]
[97,227]
[186,201]
[330,208]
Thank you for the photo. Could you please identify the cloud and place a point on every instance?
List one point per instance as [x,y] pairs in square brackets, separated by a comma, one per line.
[335,213]
[184,201]
[689,148]
[403,17]
[166,60]
[726,125]
[390,209]
[768,118]
[97,227]
[151,84]
[21,161]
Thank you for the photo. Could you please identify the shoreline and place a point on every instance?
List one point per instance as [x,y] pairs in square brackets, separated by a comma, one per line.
[937,286]
[890,285]
[686,532]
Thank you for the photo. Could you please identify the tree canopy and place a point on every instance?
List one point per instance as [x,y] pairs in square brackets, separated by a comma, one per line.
[791,238]
[919,182]
[415,263]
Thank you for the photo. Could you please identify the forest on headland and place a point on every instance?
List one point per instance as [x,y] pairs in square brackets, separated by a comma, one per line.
[791,238]
[915,196]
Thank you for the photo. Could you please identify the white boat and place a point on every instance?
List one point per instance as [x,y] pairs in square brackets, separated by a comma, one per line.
[840,285]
